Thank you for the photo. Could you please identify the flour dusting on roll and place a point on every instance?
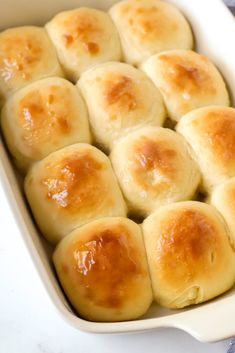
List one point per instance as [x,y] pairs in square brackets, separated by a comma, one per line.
[71,187]
[189,254]
[187,80]
[103,269]
[154,167]
[120,99]
[83,37]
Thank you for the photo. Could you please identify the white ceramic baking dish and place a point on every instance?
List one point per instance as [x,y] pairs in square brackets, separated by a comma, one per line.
[214,29]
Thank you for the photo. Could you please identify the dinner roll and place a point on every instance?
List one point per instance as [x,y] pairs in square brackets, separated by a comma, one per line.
[83,37]
[120,99]
[103,270]
[223,198]
[189,254]
[154,167]
[186,80]
[71,187]
[147,27]
[211,133]
[43,117]
[26,55]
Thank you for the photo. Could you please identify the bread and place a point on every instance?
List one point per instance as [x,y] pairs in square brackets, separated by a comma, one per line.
[103,270]
[189,254]
[154,167]
[71,187]
[83,202]
[83,37]
[43,117]
[211,133]
[187,81]
[120,99]
[223,198]
[147,27]
[26,55]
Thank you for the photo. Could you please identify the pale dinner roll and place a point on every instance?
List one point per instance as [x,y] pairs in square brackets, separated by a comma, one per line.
[187,80]
[120,99]
[154,167]
[147,27]
[189,255]
[71,187]
[83,37]
[223,198]
[26,55]
[43,117]
[211,133]
[103,270]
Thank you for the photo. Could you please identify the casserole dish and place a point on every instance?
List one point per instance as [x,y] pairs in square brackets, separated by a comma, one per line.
[214,30]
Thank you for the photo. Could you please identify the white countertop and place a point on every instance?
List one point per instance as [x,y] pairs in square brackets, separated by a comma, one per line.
[29,322]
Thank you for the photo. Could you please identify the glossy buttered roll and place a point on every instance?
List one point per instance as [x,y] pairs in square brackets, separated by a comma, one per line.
[26,55]
[189,254]
[187,80]
[154,167]
[223,198]
[120,99]
[103,270]
[41,118]
[147,27]
[83,37]
[71,187]
[211,133]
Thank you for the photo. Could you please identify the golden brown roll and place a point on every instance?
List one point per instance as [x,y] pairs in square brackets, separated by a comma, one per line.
[211,133]
[26,55]
[44,116]
[83,37]
[189,255]
[186,80]
[154,167]
[147,27]
[71,187]
[223,198]
[103,270]
[120,99]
